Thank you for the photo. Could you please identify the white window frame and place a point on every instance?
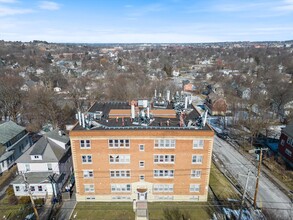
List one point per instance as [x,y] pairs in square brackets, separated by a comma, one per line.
[163,173]
[87,156]
[120,174]
[141,147]
[119,158]
[163,187]
[89,188]
[288,152]
[121,187]
[49,166]
[195,174]
[141,177]
[165,143]
[88,174]
[17,188]
[194,188]
[119,143]
[85,144]
[141,164]
[197,160]
[198,144]
[27,167]
[164,158]
[282,142]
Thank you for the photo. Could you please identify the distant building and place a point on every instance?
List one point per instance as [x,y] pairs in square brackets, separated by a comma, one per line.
[14,141]
[189,87]
[215,104]
[49,156]
[286,144]
[142,150]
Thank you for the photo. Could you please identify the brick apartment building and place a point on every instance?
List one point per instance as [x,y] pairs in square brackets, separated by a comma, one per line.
[286,144]
[155,151]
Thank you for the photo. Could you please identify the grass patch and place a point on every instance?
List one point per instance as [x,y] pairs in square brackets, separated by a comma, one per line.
[104,211]
[7,176]
[280,171]
[221,186]
[196,210]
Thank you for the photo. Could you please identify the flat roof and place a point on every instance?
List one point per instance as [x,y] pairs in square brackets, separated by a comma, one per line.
[117,115]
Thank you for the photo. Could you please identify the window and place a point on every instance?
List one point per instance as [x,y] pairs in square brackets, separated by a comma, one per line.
[141,177]
[163,188]
[165,143]
[40,188]
[27,167]
[86,158]
[288,152]
[89,188]
[17,188]
[164,173]
[282,142]
[141,164]
[119,173]
[122,158]
[32,188]
[194,188]
[49,165]
[118,143]
[36,157]
[88,174]
[141,147]
[289,141]
[85,144]
[195,173]
[198,144]
[120,187]
[196,159]
[164,158]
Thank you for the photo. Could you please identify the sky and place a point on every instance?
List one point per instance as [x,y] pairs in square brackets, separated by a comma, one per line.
[146,21]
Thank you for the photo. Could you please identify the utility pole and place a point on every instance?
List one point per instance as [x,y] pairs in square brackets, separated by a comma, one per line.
[243,196]
[31,197]
[257,179]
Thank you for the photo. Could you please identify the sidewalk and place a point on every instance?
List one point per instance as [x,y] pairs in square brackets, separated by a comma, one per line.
[67,208]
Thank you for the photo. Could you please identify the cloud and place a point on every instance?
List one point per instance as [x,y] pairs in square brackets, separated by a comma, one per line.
[8,1]
[144,10]
[48,5]
[286,6]
[5,11]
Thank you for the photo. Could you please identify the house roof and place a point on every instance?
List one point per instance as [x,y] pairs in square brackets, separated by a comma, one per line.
[35,178]
[58,135]
[289,130]
[50,151]
[9,130]
[6,155]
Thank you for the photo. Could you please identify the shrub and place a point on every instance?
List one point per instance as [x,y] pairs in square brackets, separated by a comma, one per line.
[24,200]
[9,191]
[12,200]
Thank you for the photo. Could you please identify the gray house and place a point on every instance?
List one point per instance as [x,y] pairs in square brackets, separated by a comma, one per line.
[14,141]
[49,156]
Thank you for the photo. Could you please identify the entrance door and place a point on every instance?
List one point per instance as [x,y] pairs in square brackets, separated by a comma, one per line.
[142,196]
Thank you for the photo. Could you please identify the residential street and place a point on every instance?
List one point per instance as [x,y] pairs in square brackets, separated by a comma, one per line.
[270,198]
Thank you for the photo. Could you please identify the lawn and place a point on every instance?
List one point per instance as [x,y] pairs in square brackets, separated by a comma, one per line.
[221,186]
[104,211]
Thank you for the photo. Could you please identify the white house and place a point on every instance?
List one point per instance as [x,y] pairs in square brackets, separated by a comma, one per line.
[14,141]
[49,156]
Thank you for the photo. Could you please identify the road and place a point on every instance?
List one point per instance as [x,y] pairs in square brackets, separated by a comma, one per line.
[272,201]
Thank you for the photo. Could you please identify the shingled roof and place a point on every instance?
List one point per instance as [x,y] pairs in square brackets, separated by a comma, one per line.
[9,130]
